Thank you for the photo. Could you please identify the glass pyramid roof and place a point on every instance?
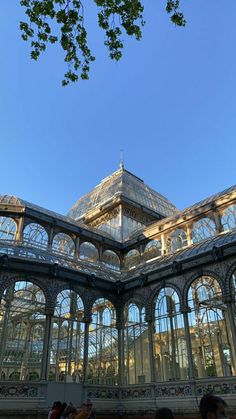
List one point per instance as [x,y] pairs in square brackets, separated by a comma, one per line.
[122,184]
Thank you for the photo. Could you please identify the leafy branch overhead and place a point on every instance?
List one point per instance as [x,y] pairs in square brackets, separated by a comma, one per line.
[52,21]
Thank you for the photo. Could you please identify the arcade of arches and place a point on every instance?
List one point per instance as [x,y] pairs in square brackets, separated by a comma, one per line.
[126,299]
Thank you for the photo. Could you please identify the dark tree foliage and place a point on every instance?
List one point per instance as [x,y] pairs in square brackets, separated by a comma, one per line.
[52,21]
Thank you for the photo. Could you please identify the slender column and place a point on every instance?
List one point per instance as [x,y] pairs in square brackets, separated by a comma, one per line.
[46,345]
[9,298]
[19,235]
[120,329]
[87,321]
[151,350]
[185,311]
[163,244]
[50,236]
[231,320]
[189,235]
[77,246]
[217,219]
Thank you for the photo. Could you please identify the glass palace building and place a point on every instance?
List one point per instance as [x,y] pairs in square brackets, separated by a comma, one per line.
[126,300]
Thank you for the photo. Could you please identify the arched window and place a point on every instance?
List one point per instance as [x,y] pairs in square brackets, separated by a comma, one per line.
[111,260]
[152,250]
[132,259]
[170,351]
[88,252]
[7,228]
[35,235]
[67,342]
[203,229]
[210,337]
[228,218]
[103,344]
[62,243]
[22,324]
[176,241]
[136,346]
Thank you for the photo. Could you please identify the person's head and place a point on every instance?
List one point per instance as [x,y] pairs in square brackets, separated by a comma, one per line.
[70,411]
[56,405]
[87,405]
[212,407]
[164,413]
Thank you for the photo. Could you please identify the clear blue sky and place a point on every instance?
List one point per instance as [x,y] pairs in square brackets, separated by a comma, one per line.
[170,103]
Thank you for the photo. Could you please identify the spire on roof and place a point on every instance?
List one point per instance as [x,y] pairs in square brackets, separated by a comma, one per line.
[122,166]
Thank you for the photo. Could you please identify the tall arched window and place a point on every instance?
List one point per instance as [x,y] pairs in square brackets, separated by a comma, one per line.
[132,259]
[7,228]
[210,338]
[176,241]
[35,235]
[62,243]
[203,229]
[67,342]
[136,346]
[152,250]
[88,252]
[111,259]
[22,323]
[228,218]
[103,344]
[170,350]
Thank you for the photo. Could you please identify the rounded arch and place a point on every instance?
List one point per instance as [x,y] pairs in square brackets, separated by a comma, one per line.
[103,343]
[35,235]
[228,218]
[23,326]
[195,276]
[132,259]
[88,251]
[67,336]
[159,287]
[63,244]
[203,229]
[8,228]
[152,249]
[228,277]
[176,240]
[111,259]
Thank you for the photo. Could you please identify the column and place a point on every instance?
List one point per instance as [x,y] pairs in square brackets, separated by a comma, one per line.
[120,328]
[46,345]
[151,349]
[50,237]
[189,235]
[163,244]
[217,219]
[87,321]
[231,321]
[19,235]
[77,245]
[185,311]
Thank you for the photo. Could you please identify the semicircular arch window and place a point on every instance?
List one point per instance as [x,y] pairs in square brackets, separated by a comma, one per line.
[88,252]
[169,337]
[35,235]
[228,218]
[176,240]
[103,344]
[152,250]
[111,259]
[203,229]
[211,341]
[7,228]
[136,345]
[67,344]
[63,244]
[22,321]
[132,259]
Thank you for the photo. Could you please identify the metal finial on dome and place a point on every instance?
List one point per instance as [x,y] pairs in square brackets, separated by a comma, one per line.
[122,166]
